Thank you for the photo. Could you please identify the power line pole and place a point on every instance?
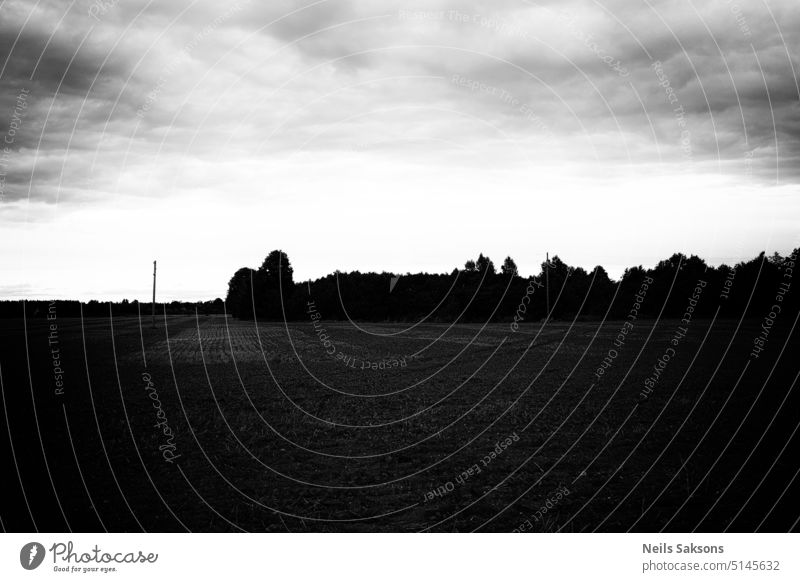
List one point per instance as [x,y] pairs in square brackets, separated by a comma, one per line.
[154,294]
[547,283]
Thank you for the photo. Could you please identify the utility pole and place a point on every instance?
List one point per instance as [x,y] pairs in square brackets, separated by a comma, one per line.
[546,283]
[154,294]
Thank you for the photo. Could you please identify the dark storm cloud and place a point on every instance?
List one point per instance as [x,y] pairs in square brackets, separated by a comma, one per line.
[66,76]
[706,58]
[81,85]
[39,51]
[100,98]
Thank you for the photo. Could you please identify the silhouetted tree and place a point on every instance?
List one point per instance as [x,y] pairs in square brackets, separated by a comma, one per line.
[509,267]
[600,294]
[277,266]
[484,264]
[274,286]
[469,266]
[239,300]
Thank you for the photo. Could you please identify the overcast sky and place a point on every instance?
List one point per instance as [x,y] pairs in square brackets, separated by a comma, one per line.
[397,136]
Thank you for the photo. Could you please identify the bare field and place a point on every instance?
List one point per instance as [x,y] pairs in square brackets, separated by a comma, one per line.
[394,427]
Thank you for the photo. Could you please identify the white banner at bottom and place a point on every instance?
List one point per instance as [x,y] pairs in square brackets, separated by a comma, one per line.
[400,557]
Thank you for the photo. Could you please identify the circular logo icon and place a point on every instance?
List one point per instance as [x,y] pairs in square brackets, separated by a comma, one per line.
[31,555]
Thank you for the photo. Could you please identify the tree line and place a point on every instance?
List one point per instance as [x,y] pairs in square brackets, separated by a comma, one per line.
[479,292]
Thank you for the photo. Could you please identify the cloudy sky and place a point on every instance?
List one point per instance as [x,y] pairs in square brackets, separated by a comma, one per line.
[397,136]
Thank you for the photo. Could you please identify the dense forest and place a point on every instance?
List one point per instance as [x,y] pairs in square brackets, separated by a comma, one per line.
[479,292]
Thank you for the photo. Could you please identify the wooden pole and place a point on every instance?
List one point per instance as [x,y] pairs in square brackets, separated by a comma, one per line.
[547,283]
[154,294]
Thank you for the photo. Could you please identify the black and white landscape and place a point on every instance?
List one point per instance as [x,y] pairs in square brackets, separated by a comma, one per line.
[446,266]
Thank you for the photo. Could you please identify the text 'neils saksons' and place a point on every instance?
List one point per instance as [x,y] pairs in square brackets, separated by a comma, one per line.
[663,548]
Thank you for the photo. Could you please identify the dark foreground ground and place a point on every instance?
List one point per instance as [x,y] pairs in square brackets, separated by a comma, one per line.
[459,428]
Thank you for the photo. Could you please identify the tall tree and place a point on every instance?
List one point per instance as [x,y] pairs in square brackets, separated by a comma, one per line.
[484,264]
[274,286]
[276,267]
[509,267]
[239,300]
